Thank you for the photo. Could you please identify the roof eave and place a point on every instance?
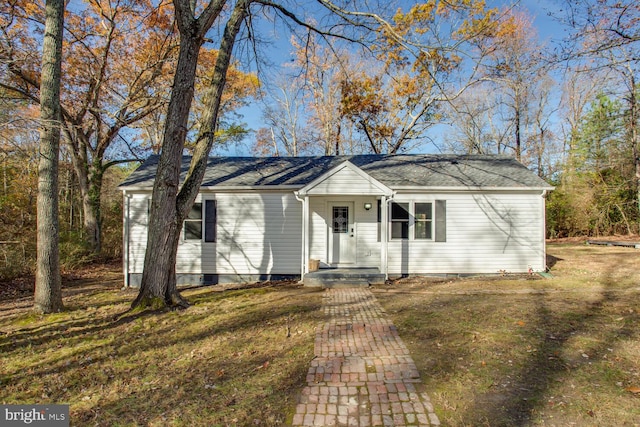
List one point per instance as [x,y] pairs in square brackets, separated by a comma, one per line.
[468,188]
[224,188]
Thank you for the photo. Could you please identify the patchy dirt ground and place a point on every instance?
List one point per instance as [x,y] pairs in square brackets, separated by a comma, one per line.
[525,350]
[509,350]
[236,357]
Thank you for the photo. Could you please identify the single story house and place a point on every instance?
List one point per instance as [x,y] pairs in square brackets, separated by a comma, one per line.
[264,218]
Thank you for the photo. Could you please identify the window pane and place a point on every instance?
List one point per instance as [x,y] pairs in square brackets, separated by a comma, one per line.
[400,211]
[340,219]
[423,229]
[193,230]
[423,211]
[400,230]
[195,212]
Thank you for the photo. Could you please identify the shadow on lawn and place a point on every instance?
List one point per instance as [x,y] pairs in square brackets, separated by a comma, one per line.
[128,343]
[528,389]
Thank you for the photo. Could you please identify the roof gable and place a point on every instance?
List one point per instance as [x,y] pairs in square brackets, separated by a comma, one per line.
[346,179]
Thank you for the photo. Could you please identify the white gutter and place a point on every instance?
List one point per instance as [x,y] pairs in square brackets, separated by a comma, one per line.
[470,188]
[544,229]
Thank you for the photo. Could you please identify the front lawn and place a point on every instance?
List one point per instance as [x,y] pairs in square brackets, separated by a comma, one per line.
[498,351]
[236,357]
[515,351]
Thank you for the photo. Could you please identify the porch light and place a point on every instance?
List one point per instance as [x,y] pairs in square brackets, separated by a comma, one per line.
[367,206]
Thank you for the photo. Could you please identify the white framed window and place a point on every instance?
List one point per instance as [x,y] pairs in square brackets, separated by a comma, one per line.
[200,223]
[423,221]
[419,220]
[193,223]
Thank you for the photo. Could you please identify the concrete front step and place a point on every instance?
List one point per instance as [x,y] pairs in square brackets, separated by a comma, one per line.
[344,278]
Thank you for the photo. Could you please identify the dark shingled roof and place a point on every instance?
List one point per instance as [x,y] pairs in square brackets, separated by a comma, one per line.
[395,171]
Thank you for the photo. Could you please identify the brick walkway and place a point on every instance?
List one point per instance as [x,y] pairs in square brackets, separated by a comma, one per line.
[362,374]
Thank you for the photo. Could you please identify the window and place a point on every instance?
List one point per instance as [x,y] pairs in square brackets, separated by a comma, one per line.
[193,224]
[419,220]
[399,220]
[423,221]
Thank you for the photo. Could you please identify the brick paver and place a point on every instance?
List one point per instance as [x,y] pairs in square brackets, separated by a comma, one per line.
[362,374]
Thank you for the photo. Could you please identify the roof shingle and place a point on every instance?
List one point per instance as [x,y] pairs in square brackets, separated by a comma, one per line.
[395,171]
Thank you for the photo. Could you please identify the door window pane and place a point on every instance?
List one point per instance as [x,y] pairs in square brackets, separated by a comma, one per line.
[340,219]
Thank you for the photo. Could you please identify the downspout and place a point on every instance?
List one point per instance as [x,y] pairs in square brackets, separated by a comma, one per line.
[384,238]
[125,237]
[544,230]
[305,214]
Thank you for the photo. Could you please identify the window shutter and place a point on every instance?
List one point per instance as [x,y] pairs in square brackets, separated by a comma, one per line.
[441,220]
[210,221]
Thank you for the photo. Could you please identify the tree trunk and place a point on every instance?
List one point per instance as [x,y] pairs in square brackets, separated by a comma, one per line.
[93,216]
[635,139]
[168,207]
[164,226]
[518,146]
[48,292]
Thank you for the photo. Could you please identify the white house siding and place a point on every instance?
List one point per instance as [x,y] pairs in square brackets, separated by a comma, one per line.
[346,181]
[486,233]
[365,224]
[137,206]
[257,234]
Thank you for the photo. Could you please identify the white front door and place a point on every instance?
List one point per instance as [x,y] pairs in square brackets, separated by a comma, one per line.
[342,236]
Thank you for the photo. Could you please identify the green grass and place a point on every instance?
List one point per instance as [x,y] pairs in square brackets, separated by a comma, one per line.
[226,360]
[497,351]
[514,351]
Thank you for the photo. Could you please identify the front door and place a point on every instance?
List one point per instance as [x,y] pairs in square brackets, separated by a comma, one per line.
[342,240]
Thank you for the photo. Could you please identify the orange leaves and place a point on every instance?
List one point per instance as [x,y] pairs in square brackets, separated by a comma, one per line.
[360,97]
[419,16]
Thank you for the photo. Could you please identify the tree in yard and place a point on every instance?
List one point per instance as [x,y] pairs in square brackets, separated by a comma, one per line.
[606,35]
[241,87]
[599,197]
[172,199]
[117,71]
[580,87]
[286,133]
[477,125]
[519,80]
[19,138]
[115,63]
[304,114]
[170,204]
[394,104]
[48,292]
